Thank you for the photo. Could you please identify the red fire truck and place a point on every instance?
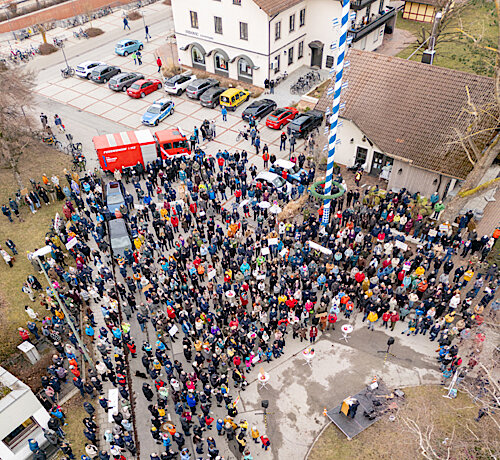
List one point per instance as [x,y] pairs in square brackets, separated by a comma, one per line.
[121,150]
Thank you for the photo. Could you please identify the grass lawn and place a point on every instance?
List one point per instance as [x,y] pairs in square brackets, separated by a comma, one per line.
[75,413]
[27,236]
[454,49]
[392,440]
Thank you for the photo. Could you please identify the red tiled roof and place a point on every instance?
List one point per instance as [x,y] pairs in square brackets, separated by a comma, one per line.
[412,110]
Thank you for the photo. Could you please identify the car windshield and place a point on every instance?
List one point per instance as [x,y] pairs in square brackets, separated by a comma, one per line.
[278,182]
[192,88]
[294,169]
[170,83]
[278,112]
[135,86]
[95,73]
[224,99]
[154,109]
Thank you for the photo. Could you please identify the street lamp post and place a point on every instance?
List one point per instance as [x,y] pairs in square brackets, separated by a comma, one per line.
[42,252]
[334,117]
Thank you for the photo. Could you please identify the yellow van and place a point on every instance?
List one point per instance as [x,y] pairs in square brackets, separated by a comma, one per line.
[233,97]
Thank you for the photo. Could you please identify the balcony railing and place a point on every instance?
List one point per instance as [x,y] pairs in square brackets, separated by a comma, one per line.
[360,4]
[357,33]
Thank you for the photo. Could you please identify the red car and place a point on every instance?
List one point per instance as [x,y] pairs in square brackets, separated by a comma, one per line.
[281,117]
[142,87]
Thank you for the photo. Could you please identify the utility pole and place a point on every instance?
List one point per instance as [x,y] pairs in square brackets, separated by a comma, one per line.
[429,53]
[40,253]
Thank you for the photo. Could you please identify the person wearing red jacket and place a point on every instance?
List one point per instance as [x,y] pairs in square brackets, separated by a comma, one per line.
[193,208]
[236,361]
[313,333]
[175,223]
[24,334]
[237,194]
[265,442]
[220,161]
[394,319]
[385,318]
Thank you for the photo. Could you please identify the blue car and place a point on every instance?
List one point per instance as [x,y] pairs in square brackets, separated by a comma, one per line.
[157,112]
[127,46]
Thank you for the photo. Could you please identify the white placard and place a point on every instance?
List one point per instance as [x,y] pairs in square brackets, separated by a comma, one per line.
[173,330]
[211,274]
[261,277]
[71,243]
[112,404]
[283,252]
[432,232]
[401,245]
[272,241]
[139,207]
[264,251]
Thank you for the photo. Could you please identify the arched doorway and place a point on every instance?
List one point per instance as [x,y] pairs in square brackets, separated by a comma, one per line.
[198,57]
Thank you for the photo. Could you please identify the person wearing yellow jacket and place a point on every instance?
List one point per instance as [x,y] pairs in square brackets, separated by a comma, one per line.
[255,434]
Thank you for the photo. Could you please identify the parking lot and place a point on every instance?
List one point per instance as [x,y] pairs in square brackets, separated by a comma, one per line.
[118,107]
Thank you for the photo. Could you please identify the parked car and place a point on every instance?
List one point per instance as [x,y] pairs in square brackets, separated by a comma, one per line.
[103,73]
[127,46]
[281,117]
[233,97]
[114,196]
[294,174]
[197,87]
[123,81]
[142,87]
[273,180]
[178,83]
[259,109]
[303,124]
[158,111]
[119,237]
[211,97]
[84,70]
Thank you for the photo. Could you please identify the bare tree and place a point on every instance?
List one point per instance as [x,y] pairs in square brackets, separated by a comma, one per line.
[481,154]
[16,128]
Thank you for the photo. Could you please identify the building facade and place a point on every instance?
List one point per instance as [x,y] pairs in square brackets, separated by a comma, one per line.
[22,417]
[401,118]
[421,11]
[255,40]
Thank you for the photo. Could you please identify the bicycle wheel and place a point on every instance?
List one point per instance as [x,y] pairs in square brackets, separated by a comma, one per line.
[78,145]
[238,137]
[58,145]
[68,149]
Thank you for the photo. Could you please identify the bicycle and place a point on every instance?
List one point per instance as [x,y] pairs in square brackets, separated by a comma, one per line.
[67,72]
[73,149]
[242,134]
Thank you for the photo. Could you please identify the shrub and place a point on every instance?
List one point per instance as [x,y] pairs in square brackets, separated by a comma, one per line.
[47,48]
[94,31]
[134,15]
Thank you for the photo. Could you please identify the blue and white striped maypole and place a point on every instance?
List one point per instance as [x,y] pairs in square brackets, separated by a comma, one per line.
[334,117]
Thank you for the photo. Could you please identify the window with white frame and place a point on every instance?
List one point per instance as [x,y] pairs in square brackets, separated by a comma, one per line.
[244,68]
[302,17]
[197,55]
[292,22]
[194,19]
[218,25]
[277,30]
[300,50]
[243,31]
[290,55]
[220,62]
